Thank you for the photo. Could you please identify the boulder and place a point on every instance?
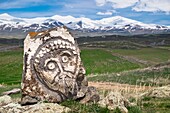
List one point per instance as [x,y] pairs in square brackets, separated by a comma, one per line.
[114,100]
[52,69]
[159,92]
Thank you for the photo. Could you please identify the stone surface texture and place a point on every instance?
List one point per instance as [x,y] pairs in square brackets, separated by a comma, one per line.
[52,69]
[13,91]
[114,100]
[158,92]
[5,100]
[37,108]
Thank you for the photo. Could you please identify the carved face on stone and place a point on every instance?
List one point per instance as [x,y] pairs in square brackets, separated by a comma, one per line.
[53,69]
[57,64]
[57,61]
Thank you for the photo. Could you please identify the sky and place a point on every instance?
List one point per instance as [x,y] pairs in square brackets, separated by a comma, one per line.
[147,11]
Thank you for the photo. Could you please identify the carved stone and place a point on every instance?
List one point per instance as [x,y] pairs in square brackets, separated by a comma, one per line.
[52,69]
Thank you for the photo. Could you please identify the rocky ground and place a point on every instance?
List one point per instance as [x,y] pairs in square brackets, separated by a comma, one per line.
[8,106]
[111,100]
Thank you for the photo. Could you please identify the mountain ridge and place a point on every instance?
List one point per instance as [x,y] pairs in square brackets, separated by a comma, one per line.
[112,25]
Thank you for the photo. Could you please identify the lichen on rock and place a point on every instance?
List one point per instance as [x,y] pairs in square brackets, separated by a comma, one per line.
[52,69]
[115,100]
[5,100]
[37,108]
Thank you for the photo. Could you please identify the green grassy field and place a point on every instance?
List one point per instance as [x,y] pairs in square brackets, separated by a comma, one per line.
[96,61]
[114,45]
[11,67]
[10,87]
[76,107]
[147,77]
[152,55]
[164,47]
[155,105]
[100,61]
[108,68]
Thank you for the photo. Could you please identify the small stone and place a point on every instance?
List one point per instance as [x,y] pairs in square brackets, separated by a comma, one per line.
[27,100]
[159,92]
[91,95]
[5,100]
[114,100]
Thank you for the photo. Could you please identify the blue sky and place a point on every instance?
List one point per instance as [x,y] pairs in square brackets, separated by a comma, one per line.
[147,11]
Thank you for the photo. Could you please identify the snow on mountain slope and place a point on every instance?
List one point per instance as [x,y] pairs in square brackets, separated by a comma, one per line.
[6,16]
[8,22]
[120,22]
[64,19]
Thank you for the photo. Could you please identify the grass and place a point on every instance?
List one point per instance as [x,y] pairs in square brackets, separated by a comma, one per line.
[134,109]
[164,47]
[11,67]
[152,55]
[101,61]
[155,105]
[114,45]
[96,61]
[10,87]
[77,107]
[148,77]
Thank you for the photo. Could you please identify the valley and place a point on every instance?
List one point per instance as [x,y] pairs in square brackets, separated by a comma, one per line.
[131,65]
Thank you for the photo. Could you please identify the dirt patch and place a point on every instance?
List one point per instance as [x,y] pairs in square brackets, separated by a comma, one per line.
[119,87]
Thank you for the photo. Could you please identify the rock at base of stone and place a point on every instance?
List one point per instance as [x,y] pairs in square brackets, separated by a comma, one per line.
[90,95]
[37,108]
[5,100]
[27,100]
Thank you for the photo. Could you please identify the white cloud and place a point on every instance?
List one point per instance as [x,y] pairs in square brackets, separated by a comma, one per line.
[100,2]
[117,3]
[153,6]
[104,13]
[122,3]
[138,5]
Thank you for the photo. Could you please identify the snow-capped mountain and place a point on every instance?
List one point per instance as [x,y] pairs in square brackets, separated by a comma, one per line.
[10,26]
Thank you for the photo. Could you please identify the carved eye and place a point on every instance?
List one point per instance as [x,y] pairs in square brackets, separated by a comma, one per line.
[65,59]
[51,65]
